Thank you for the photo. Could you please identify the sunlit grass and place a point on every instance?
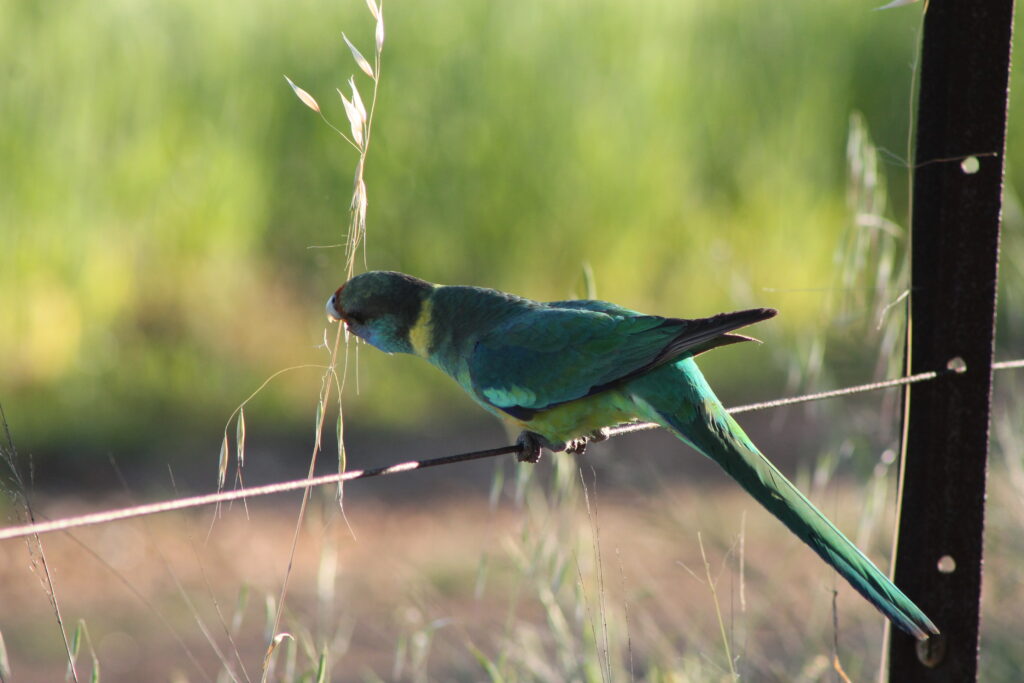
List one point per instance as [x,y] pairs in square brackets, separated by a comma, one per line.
[162,187]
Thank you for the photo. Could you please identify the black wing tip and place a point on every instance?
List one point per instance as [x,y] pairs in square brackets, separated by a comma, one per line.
[733,338]
[921,631]
[762,313]
[746,317]
[932,630]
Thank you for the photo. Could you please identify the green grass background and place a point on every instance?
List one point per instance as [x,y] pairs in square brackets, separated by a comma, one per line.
[162,187]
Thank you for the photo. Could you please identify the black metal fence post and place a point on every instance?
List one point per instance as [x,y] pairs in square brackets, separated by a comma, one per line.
[957,195]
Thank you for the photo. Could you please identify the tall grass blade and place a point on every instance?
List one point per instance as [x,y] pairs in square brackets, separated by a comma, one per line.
[5,663]
[241,603]
[485,662]
[278,639]
[321,668]
[718,609]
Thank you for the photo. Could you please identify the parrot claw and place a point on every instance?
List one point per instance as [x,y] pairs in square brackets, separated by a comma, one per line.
[577,446]
[530,444]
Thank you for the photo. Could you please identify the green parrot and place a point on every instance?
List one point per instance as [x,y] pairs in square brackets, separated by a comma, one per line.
[564,371]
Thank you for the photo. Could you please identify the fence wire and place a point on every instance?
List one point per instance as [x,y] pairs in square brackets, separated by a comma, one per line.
[955,366]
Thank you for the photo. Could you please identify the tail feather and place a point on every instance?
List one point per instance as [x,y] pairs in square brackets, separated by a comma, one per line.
[678,397]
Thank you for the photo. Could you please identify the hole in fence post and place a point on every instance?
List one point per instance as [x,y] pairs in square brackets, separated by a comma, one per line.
[946,564]
[932,651]
[957,365]
[970,165]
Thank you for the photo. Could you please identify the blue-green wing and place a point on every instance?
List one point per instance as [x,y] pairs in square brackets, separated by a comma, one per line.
[595,305]
[549,356]
[695,347]
[568,350]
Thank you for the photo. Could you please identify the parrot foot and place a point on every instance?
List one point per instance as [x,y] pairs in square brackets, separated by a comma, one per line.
[530,445]
[579,446]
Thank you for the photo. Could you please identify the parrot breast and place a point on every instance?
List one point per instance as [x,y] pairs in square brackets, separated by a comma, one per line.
[567,421]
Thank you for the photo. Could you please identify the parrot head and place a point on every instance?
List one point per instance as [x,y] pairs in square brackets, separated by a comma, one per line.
[380,307]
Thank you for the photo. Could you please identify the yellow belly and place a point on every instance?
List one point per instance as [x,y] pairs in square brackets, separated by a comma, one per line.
[574,419]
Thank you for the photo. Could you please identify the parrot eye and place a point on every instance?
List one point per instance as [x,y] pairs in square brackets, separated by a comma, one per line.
[332,311]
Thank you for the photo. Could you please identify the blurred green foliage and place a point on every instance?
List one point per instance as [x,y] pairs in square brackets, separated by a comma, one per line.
[162,186]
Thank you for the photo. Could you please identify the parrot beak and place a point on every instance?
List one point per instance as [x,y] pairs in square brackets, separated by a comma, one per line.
[333,313]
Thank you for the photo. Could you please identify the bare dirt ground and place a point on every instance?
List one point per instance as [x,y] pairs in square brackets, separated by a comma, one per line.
[437,585]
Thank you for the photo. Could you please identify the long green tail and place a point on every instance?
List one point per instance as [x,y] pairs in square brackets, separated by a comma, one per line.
[678,397]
